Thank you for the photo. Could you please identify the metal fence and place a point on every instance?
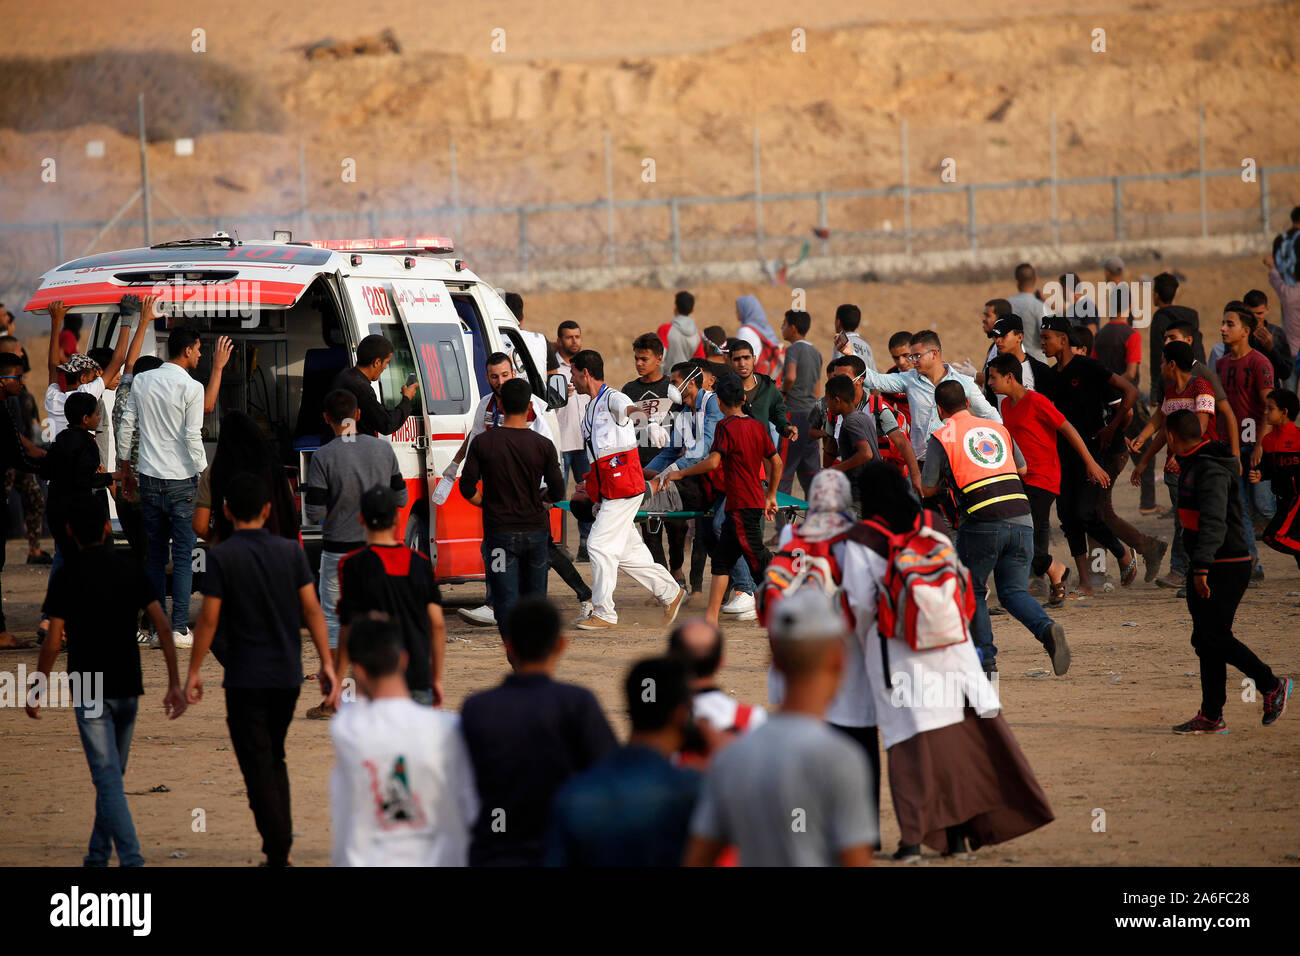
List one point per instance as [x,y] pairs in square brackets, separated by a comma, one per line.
[680,230]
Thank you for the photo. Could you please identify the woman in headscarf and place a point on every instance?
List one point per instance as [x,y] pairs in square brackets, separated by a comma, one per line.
[758,332]
[956,773]
[831,517]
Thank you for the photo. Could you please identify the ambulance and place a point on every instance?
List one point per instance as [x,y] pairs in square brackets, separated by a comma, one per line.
[295,312]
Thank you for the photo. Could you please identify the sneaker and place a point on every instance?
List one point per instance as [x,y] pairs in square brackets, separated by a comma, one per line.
[671,609]
[996,611]
[1171,581]
[593,623]
[479,616]
[588,609]
[318,713]
[181,638]
[1057,649]
[144,637]
[990,669]
[739,604]
[1275,703]
[1200,724]
[1182,592]
[583,557]
[907,853]
[1152,558]
[1257,572]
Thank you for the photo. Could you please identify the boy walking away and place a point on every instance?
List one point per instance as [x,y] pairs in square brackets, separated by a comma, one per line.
[388,577]
[402,789]
[341,471]
[257,591]
[741,447]
[794,763]
[526,738]
[96,596]
[1247,377]
[1280,465]
[983,466]
[1219,573]
[1034,423]
[633,808]
[699,645]
[681,338]
[1080,393]
[513,462]
[801,386]
[616,482]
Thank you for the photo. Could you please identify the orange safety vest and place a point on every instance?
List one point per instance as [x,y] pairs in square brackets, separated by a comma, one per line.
[984,467]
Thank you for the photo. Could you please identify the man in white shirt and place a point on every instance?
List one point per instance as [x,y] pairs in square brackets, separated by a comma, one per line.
[614,542]
[573,454]
[402,790]
[535,341]
[166,407]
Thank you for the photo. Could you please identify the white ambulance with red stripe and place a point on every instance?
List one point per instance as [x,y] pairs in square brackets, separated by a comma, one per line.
[296,311]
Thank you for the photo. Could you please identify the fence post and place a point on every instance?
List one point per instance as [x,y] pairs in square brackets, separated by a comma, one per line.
[971,228]
[821,218]
[455,188]
[1056,209]
[523,239]
[677,234]
[1119,208]
[1200,164]
[302,191]
[907,197]
[373,219]
[58,242]
[758,199]
[1263,200]
[609,200]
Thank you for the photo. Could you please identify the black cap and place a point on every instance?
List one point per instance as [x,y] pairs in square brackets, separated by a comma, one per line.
[1056,323]
[1008,323]
[379,508]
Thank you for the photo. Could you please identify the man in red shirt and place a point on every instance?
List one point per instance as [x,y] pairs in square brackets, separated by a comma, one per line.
[1247,376]
[1034,423]
[744,446]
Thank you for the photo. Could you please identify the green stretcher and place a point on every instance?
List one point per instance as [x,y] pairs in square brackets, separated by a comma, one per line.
[784,502]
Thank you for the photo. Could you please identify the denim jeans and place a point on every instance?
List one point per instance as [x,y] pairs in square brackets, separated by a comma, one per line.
[329,592]
[1177,553]
[1260,496]
[107,742]
[576,462]
[1005,550]
[168,506]
[516,564]
[741,579]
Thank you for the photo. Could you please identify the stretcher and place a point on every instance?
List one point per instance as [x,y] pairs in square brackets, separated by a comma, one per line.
[787,503]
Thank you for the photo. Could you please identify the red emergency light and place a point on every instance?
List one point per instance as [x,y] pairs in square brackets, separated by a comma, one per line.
[389,244]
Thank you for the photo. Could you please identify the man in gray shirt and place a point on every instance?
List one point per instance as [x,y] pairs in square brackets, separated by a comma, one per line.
[341,472]
[801,385]
[1029,307]
[793,792]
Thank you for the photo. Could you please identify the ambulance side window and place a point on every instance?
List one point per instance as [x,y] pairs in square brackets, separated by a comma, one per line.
[441,351]
[469,314]
[399,369]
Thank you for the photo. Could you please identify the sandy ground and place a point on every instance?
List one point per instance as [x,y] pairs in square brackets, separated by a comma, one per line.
[1097,738]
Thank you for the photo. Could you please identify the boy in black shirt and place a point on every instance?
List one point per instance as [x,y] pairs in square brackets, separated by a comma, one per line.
[72,466]
[257,593]
[387,576]
[99,594]
[512,461]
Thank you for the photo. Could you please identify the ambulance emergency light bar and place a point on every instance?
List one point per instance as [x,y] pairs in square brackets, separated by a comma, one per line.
[397,244]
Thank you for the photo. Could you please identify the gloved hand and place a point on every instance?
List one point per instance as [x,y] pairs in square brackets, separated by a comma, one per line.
[450,471]
[966,368]
[658,435]
[129,305]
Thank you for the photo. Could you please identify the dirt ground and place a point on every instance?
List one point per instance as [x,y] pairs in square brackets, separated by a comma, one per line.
[1098,738]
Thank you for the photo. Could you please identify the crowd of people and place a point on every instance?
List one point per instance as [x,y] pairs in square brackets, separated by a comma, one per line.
[920,482]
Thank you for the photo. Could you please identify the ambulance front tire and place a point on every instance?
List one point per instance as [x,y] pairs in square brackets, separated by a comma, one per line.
[417,532]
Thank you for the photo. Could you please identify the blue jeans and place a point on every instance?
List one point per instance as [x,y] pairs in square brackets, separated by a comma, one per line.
[168,506]
[1005,550]
[329,592]
[1177,554]
[576,462]
[741,579]
[516,564]
[107,742]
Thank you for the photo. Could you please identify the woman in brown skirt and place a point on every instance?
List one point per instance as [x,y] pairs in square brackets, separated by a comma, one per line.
[956,773]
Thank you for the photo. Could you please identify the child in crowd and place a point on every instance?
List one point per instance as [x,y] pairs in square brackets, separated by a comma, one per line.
[1280,464]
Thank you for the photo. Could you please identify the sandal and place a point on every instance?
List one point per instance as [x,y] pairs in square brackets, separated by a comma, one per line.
[1129,574]
[20,644]
[1057,597]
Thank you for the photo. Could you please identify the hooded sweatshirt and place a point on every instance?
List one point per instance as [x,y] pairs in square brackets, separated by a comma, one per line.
[1209,506]
[683,340]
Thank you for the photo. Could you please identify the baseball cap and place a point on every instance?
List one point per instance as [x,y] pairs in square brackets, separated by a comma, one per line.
[1008,323]
[1056,323]
[78,363]
[806,615]
[379,508]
